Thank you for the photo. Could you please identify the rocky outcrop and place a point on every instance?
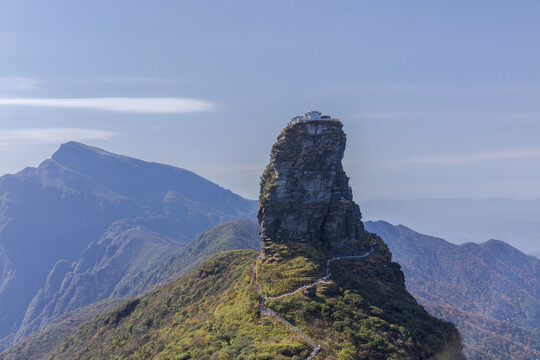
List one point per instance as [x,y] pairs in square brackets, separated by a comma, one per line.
[313,243]
[305,194]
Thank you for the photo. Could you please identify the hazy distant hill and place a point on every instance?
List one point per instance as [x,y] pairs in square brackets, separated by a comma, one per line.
[235,234]
[516,222]
[76,228]
[231,235]
[491,291]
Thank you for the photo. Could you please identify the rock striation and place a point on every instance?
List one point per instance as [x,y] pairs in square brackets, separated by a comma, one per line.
[305,193]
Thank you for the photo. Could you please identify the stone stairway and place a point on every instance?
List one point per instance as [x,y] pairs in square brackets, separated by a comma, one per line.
[269,312]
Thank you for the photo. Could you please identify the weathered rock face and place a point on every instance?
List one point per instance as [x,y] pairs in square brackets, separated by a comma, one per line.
[313,239]
[305,194]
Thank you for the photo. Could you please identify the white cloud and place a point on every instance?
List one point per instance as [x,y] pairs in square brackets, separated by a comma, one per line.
[522,153]
[138,105]
[52,135]
[18,83]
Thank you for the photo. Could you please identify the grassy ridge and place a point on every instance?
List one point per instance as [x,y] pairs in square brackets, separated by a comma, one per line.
[211,313]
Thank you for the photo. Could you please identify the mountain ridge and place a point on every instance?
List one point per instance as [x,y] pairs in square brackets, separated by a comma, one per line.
[465,220]
[489,290]
[83,195]
[222,237]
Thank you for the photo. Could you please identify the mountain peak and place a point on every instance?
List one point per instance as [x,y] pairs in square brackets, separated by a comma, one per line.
[313,242]
[76,151]
[70,145]
[305,193]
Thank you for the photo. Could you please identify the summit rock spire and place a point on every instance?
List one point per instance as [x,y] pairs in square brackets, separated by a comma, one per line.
[305,193]
[316,254]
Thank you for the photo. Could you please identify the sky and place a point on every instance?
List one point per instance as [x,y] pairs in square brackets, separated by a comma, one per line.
[438,99]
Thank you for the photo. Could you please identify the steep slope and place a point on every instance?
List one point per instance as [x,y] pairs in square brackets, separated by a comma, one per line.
[87,205]
[231,235]
[214,312]
[490,290]
[38,345]
[210,313]
[235,234]
[485,337]
[163,188]
[106,269]
[321,271]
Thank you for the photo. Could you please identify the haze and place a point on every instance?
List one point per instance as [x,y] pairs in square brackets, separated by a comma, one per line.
[437,100]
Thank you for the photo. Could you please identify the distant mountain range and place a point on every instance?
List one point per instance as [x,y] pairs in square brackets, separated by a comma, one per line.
[491,291]
[86,224]
[517,222]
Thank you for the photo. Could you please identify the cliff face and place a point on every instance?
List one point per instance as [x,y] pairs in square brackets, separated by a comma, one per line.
[313,242]
[305,194]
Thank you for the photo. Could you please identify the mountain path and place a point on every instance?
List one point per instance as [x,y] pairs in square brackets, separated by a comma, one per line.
[269,312]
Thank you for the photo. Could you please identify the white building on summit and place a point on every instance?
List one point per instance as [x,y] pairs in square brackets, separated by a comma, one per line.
[312,115]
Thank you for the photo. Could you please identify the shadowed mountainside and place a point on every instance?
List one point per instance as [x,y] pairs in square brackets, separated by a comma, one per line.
[235,234]
[77,227]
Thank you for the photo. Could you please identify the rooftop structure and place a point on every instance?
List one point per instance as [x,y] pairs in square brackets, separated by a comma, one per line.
[312,115]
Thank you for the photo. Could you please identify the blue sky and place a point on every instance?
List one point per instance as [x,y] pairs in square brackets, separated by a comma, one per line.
[437,99]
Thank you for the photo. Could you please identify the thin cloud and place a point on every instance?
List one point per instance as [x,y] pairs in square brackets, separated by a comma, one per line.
[18,83]
[112,79]
[52,135]
[156,105]
[524,153]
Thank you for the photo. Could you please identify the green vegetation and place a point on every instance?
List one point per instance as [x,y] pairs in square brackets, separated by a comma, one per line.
[37,345]
[266,183]
[287,271]
[231,235]
[211,313]
[366,319]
